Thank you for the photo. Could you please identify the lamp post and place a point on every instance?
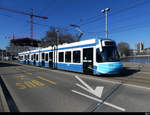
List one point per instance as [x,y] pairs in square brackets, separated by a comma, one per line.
[57,42]
[78,29]
[106,14]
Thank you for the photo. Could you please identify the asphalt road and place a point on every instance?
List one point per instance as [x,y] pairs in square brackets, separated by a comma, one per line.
[35,89]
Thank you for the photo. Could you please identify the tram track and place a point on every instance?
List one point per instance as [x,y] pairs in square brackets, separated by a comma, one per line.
[133,80]
[108,95]
[138,78]
[116,87]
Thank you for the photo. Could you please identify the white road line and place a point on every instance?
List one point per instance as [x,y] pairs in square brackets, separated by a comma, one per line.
[86,85]
[97,92]
[93,98]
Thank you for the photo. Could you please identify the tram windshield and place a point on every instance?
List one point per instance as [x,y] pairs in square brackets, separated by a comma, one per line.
[108,54]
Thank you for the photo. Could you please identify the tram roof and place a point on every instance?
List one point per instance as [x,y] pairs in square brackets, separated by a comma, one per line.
[84,42]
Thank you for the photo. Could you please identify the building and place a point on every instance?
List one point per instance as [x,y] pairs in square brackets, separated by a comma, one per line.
[147,50]
[133,52]
[140,46]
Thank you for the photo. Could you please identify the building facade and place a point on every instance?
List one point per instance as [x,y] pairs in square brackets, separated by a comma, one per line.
[140,46]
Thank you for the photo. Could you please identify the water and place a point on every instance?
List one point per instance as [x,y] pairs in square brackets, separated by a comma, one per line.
[145,59]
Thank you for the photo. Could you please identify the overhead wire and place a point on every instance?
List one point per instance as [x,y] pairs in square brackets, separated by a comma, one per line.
[123,28]
[99,17]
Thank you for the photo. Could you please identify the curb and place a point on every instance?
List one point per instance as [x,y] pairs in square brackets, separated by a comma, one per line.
[3,101]
[8,99]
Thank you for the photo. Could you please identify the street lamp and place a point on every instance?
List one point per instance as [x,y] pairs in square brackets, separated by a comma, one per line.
[78,29]
[106,14]
[57,42]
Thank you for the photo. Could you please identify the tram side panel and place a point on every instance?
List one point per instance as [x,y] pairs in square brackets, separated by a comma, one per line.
[70,60]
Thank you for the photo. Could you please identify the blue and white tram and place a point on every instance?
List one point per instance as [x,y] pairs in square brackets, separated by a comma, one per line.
[92,56]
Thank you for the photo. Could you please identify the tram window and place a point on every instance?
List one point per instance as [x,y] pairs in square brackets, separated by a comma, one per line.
[31,57]
[21,57]
[98,56]
[68,57]
[76,57]
[42,55]
[51,55]
[46,57]
[37,57]
[61,56]
[34,56]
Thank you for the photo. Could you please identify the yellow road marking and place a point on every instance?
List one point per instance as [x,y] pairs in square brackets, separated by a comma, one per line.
[38,83]
[42,78]
[20,77]
[29,84]
[29,73]
[21,86]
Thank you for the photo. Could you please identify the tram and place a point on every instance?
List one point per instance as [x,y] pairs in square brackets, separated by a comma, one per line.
[94,56]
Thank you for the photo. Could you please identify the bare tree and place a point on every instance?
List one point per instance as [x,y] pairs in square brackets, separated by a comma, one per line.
[50,38]
[124,49]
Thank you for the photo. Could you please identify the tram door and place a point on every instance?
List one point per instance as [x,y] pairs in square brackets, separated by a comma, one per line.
[88,60]
[24,59]
[34,59]
[43,59]
[51,59]
[28,60]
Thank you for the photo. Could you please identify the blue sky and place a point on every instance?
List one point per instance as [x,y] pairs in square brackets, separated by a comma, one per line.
[129,20]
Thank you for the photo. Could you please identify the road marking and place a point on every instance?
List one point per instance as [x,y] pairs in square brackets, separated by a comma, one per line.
[20,77]
[42,78]
[93,98]
[29,84]
[118,82]
[21,86]
[38,83]
[97,92]
[29,73]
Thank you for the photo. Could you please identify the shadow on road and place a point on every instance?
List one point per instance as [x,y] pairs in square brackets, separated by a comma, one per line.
[125,72]
[3,64]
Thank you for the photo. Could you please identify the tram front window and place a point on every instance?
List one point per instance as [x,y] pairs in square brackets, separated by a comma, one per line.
[108,54]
